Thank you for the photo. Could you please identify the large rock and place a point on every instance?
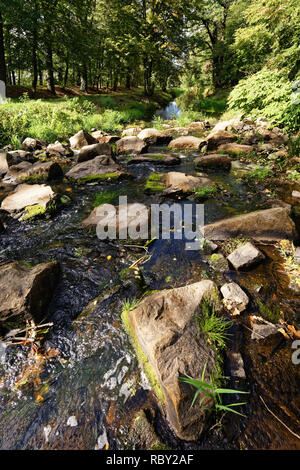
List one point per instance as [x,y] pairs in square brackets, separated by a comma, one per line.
[30,144]
[28,195]
[58,150]
[156,159]
[25,172]
[214,162]
[26,292]
[236,149]
[164,328]
[3,163]
[245,256]
[187,142]
[91,151]
[217,138]
[131,132]
[121,220]
[154,137]
[235,299]
[100,168]
[82,139]
[180,182]
[266,225]
[131,146]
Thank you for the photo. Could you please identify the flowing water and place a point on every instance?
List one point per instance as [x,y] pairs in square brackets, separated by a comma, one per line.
[83,387]
[172,111]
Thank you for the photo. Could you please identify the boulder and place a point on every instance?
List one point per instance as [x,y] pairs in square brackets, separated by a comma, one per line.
[26,292]
[187,142]
[27,195]
[235,124]
[217,138]
[131,132]
[154,137]
[18,156]
[235,299]
[297,255]
[38,172]
[180,182]
[82,139]
[121,219]
[3,163]
[165,335]
[213,162]
[236,149]
[296,194]
[156,159]
[131,146]
[91,151]
[57,149]
[199,125]
[100,168]
[245,256]
[269,135]
[108,139]
[266,225]
[30,144]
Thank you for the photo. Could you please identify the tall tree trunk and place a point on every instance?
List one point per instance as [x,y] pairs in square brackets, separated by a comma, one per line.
[34,51]
[66,71]
[115,82]
[128,79]
[49,64]
[2,53]
[84,79]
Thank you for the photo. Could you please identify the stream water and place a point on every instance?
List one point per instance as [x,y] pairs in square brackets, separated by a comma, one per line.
[83,388]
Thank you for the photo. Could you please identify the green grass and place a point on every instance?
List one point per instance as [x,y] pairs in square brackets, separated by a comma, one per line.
[213,391]
[58,119]
[259,174]
[213,327]
[102,177]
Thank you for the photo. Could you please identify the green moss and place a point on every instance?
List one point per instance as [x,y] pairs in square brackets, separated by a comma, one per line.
[230,245]
[102,177]
[33,179]
[159,446]
[142,358]
[33,211]
[205,191]
[271,314]
[106,197]
[153,183]
[259,174]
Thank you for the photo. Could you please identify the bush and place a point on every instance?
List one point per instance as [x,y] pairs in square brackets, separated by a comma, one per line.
[267,93]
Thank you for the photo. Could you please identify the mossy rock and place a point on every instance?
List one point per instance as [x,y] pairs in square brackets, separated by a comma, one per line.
[154,183]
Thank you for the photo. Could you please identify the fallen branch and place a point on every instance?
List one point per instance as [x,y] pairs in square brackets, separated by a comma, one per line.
[278,419]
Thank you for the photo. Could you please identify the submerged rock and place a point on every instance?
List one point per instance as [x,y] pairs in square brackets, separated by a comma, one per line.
[165,336]
[101,168]
[91,151]
[187,142]
[235,299]
[131,146]
[82,139]
[26,292]
[143,434]
[259,332]
[156,159]
[245,256]
[266,225]
[214,162]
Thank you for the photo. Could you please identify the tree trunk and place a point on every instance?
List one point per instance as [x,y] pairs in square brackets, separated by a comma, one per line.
[84,79]
[66,71]
[2,53]
[34,51]
[128,80]
[49,64]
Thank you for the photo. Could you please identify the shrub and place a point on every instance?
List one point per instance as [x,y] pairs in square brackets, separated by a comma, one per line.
[267,93]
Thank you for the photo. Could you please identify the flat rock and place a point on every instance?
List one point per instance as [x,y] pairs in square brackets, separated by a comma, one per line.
[58,149]
[27,195]
[156,159]
[91,151]
[217,138]
[236,149]
[245,256]
[266,225]
[93,169]
[163,325]
[3,163]
[154,137]
[82,139]
[235,299]
[180,182]
[187,142]
[122,219]
[26,292]
[131,132]
[296,194]
[213,162]
[131,146]
[259,332]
